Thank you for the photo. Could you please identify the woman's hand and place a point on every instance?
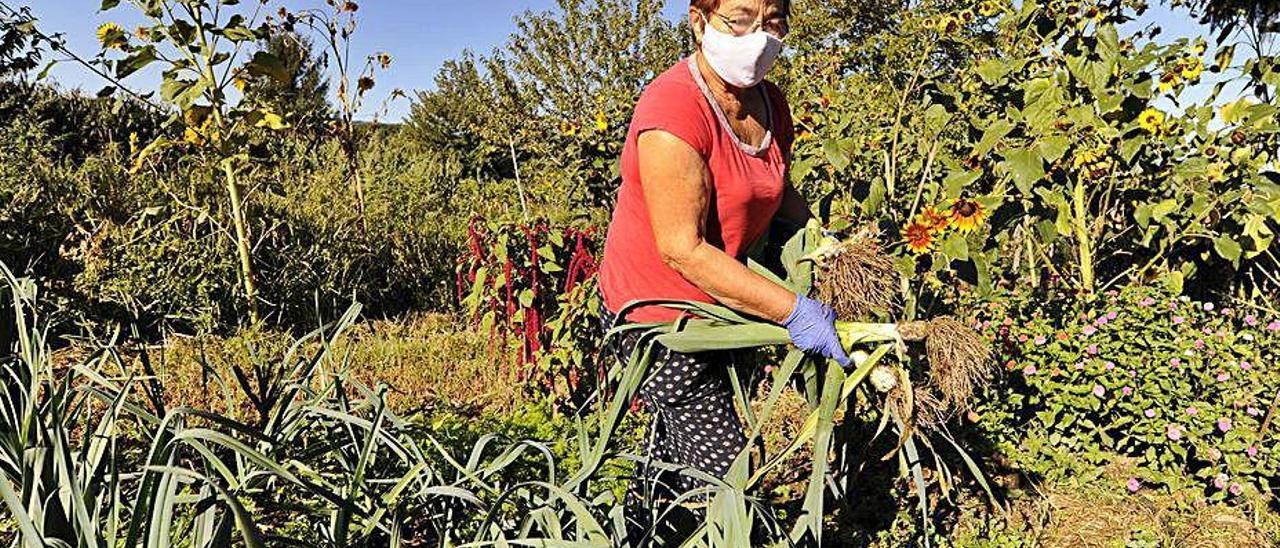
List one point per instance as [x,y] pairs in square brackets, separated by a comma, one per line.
[812,329]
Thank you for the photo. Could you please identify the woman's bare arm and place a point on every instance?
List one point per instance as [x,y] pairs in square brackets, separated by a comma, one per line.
[677,191]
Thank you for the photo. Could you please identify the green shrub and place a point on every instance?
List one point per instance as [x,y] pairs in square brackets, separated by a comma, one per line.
[1182,386]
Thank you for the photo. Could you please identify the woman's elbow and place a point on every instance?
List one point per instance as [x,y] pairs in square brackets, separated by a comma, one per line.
[679,256]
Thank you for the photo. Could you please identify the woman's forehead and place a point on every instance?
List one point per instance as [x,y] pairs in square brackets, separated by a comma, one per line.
[751,6]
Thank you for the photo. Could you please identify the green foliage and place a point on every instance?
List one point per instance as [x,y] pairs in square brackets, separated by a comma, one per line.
[304,95]
[1058,127]
[553,104]
[1181,386]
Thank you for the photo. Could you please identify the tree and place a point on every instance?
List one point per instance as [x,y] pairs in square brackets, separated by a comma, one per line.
[20,50]
[304,95]
[554,101]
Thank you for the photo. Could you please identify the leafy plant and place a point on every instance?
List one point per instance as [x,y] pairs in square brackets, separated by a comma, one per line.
[1181,386]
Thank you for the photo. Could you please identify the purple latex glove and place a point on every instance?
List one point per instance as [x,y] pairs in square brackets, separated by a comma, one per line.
[812,326]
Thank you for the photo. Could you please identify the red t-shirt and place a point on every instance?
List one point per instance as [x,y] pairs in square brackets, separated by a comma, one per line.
[747,187]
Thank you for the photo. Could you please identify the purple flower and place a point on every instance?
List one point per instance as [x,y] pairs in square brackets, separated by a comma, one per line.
[1150,413]
[1177,320]
[1128,390]
[1228,311]
[1176,362]
[1099,391]
[1224,424]
[1251,320]
[1134,485]
[1208,307]
[1174,432]
[1199,344]
[1102,320]
[1146,301]
[1112,315]
[1220,481]
[1207,331]
[1079,366]
[1236,489]
[1223,377]
[1274,325]
[1029,370]
[1110,365]
[1252,451]
[1092,349]
[1192,410]
[1133,372]
[1089,330]
[1040,339]
[1253,411]
[1245,365]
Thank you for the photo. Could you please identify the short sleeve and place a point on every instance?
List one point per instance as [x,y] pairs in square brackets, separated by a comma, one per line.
[675,109]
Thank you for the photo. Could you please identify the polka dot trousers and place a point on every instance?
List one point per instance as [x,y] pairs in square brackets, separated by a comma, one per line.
[694,423]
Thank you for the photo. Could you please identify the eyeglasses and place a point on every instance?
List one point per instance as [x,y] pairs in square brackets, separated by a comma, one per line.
[742,25]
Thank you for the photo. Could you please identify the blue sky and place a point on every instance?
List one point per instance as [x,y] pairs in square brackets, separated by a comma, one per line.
[419,34]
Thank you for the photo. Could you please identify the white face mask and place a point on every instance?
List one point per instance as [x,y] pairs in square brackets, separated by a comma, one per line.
[741,61]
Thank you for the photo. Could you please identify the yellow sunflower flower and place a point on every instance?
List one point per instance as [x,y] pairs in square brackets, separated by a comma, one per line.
[1083,158]
[1168,80]
[919,237]
[934,219]
[1151,120]
[112,36]
[967,215]
[1216,172]
[1192,67]
[948,24]
[988,8]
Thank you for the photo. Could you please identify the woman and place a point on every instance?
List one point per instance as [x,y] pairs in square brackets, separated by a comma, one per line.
[703,176]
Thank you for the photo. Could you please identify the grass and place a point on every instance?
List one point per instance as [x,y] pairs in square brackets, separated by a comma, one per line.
[1101,513]
[425,361]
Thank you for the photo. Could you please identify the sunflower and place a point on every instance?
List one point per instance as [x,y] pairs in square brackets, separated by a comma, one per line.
[934,219]
[1167,81]
[1084,158]
[988,8]
[1216,172]
[1192,67]
[112,36]
[602,123]
[919,237]
[1093,13]
[967,215]
[1151,120]
[948,24]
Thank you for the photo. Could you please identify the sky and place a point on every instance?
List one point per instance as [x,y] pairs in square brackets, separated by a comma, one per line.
[419,34]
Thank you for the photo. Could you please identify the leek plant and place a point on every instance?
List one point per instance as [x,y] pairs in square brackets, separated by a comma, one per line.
[858,277]
[87,460]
